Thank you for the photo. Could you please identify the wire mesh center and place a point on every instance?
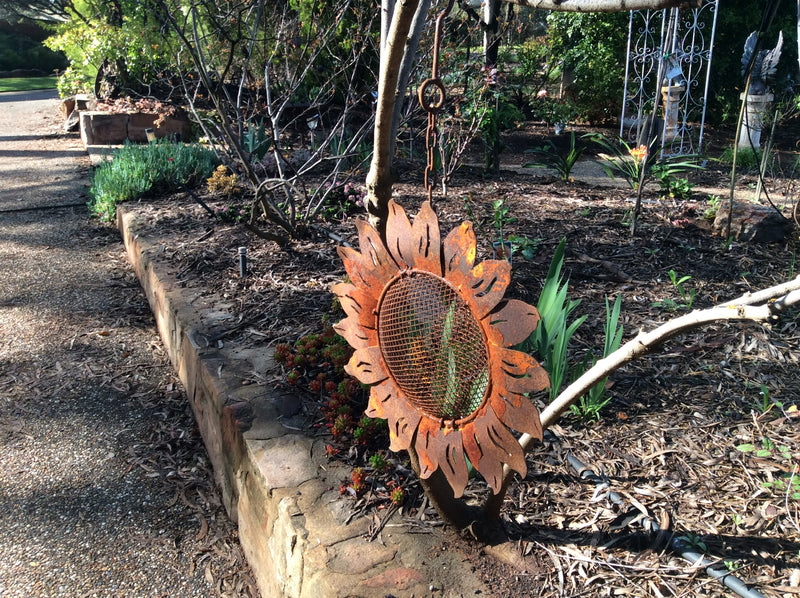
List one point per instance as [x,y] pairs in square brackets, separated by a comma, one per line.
[433,347]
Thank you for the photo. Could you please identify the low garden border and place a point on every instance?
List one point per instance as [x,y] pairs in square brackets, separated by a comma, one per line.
[275,480]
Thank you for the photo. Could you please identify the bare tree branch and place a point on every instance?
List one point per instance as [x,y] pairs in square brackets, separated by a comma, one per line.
[604,5]
[380,178]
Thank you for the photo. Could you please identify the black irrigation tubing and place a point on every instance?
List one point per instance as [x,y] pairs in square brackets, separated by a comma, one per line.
[677,544]
[196,197]
[43,208]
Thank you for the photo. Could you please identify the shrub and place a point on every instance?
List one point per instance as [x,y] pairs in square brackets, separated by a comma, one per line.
[138,169]
[747,158]
[592,49]
[127,36]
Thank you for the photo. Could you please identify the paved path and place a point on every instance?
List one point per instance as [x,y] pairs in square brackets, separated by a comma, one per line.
[105,488]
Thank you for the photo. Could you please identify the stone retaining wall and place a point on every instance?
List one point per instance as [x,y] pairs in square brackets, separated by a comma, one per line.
[107,128]
[275,480]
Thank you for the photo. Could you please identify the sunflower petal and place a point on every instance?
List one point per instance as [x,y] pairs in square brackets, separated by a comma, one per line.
[385,402]
[518,372]
[426,243]
[373,267]
[357,303]
[498,446]
[398,236]
[521,414]
[380,398]
[448,452]
[402,429]
[356,335]
[366,365]
[490,468]
[471,445]
[489,282]
[515,320]
[425,445]
[492,472]
[459,249]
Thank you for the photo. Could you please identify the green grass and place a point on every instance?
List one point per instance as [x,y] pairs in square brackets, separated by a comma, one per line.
[27,83]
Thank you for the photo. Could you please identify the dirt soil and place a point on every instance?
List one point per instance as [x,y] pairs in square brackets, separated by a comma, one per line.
[667,441]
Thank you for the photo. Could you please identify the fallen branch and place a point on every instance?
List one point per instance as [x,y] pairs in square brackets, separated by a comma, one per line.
[761,306]
[773,301]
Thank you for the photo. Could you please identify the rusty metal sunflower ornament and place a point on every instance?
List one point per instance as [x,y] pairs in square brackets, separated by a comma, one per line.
[432,335]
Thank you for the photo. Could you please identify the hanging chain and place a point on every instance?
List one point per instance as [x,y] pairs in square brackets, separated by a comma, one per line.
[431,97]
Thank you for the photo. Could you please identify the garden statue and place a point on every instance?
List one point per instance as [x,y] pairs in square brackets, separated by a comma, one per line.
[759,99]
[764,65]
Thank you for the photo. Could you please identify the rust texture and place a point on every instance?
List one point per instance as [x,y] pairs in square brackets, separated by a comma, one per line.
[432,334]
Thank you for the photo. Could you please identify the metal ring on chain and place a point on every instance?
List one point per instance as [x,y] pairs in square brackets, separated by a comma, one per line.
[424,96]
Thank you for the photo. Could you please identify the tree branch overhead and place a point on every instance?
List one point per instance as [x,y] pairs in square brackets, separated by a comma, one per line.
[604,5]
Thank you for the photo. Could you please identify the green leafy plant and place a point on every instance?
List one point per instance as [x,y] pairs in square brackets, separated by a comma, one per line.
[501,218]
[693,541]
[786,485]
[489,106]
[378,462]
[587,47]
[747,158]
[591,404]
[122,34]
[553,111]
[524,245]
[687,295]
[714,202]
[678,283]
[234,213]
[766,402]
[548,156]
[255,140]
[551,338]
[139,169]
[676,188]
[341,200]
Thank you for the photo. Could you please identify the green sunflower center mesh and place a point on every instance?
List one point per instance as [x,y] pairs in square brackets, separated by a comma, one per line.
[433,347]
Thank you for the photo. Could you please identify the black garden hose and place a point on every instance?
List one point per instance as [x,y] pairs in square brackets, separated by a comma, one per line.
[678,545]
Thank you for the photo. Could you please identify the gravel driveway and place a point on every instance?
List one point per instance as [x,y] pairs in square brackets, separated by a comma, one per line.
[105,487]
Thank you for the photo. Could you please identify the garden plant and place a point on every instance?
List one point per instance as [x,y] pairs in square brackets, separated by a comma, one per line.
[137,170]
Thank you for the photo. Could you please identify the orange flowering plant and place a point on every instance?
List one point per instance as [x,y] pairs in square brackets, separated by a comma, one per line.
[628,161]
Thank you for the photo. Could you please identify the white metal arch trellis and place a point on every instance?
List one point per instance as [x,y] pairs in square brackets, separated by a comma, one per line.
[669,52]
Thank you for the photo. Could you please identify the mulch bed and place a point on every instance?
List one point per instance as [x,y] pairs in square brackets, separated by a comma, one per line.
[666,443]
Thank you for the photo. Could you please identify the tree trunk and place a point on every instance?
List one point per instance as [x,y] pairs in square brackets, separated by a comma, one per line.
[491,41]
[380,177]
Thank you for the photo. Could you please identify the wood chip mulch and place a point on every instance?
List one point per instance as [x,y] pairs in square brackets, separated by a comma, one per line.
[672,445]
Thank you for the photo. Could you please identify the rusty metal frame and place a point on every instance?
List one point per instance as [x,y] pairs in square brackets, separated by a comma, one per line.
[482,434]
